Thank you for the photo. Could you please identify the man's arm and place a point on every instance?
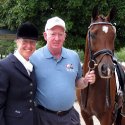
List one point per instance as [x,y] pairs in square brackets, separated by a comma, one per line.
[84,81]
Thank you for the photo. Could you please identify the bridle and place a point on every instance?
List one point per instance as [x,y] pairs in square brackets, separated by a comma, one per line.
[92,62]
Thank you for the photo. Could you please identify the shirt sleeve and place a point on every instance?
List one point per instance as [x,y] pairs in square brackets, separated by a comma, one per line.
[79,74]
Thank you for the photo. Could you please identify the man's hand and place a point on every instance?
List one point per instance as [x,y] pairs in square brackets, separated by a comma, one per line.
[84,81]
[90,77]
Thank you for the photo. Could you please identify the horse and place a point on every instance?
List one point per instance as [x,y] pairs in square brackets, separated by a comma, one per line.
[99,99]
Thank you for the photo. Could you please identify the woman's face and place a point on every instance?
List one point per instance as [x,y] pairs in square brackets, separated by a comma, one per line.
[26,47]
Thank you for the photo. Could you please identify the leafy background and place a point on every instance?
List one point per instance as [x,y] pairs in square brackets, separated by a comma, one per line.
[76,13]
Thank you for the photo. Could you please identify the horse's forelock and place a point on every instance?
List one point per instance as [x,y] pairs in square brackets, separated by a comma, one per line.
[100,18]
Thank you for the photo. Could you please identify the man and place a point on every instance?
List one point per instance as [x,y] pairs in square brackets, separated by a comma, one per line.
[17,80]
[58,72]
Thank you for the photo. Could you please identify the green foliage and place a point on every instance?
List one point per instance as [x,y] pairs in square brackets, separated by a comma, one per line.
[81,55]
[40,44]
[120,22]
[14,12]
[121,54]
[76,13]
[6,47]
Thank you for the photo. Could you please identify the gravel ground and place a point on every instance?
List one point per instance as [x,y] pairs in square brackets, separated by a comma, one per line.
[76,105]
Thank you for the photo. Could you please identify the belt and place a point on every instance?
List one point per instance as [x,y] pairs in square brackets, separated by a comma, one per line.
[59,113]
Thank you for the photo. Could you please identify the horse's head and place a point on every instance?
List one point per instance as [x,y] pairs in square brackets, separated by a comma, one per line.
[100,43]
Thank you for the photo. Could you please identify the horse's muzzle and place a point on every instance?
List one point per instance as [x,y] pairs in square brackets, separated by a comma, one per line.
[106,70]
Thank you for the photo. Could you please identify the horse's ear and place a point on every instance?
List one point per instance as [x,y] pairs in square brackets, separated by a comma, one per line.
[112,14]
[95,13]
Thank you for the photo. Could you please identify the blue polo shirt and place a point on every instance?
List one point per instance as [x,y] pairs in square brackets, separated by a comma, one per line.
[56,78]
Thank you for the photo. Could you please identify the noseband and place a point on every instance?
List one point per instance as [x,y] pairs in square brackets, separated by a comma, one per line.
[92,63]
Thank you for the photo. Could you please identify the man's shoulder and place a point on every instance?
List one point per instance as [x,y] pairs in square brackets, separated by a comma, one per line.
[37,54]
[70,51]
[39,50]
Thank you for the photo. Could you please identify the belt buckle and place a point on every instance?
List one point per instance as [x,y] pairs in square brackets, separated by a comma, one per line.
[59,112]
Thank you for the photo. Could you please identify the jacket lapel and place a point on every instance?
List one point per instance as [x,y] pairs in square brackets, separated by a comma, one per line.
[19,66]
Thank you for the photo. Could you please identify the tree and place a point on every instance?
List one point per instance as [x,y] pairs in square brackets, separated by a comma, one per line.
[6,47]
[76,13]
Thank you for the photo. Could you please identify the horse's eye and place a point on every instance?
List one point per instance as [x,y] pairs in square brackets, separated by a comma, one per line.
[93,36]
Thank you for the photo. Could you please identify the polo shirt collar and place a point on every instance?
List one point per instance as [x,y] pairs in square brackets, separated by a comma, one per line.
[49,55]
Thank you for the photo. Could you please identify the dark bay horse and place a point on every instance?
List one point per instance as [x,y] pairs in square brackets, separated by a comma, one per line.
[99,99]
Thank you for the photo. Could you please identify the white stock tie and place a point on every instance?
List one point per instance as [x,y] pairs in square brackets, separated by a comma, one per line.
[29,67]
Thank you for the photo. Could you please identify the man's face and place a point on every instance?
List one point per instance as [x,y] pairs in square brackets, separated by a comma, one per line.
[26,47]
[55,38]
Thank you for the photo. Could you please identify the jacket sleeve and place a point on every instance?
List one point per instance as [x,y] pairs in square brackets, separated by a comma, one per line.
[3,93]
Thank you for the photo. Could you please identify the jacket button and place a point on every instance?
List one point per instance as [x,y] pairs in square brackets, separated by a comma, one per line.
[31,92]
[30,100]
[30,109]
[31,84]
